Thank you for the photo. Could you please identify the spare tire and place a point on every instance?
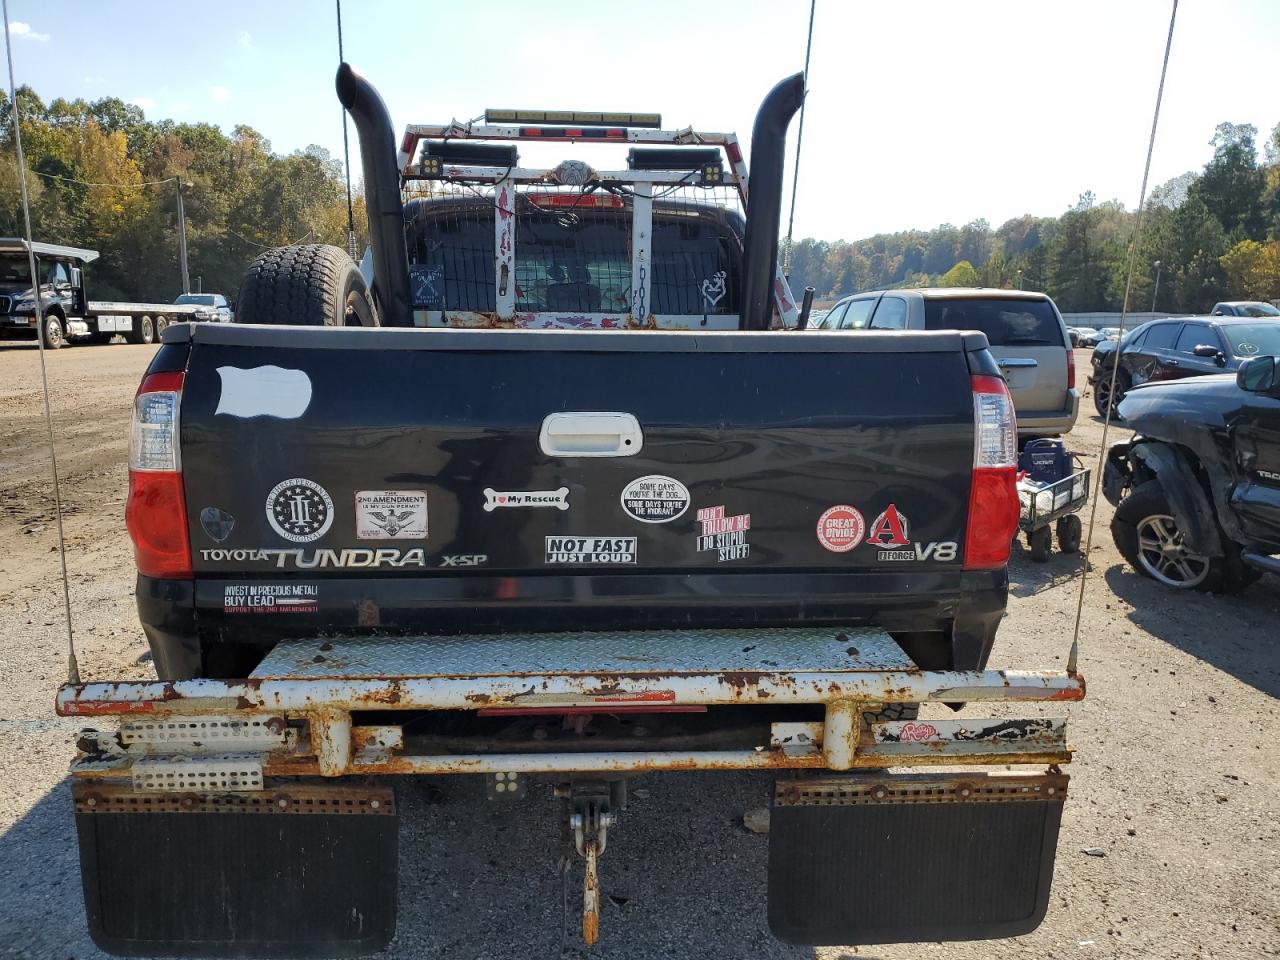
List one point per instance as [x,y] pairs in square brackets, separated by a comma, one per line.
[310,284]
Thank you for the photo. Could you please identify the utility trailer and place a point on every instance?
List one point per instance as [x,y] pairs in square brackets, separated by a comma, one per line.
[66,314]
[444,549]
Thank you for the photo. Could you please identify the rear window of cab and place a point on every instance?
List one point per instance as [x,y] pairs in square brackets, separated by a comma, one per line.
[1012,323]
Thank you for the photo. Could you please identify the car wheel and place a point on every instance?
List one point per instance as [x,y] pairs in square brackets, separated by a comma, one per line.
[1102,399]
[53,333]
[1148,537]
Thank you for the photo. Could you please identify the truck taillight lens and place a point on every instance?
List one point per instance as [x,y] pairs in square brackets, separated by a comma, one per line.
[1071,369]
[993,498]
[156,512]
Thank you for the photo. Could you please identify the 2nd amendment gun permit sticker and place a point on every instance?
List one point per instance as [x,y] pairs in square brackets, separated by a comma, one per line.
[655,499]
[591,550]
[391,515]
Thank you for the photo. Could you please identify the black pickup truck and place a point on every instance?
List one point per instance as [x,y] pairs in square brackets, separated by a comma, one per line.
[372,549]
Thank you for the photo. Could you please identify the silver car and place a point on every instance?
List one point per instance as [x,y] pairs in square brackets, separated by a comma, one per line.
[209,306]
[1027,335]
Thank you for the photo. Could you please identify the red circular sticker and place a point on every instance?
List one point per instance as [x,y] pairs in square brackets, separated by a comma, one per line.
[841,528]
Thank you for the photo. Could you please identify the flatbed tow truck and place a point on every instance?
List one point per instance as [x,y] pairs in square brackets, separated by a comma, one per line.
[538,537]
[66,314]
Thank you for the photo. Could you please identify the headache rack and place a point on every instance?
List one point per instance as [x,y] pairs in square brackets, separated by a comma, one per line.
[624,278]
[479,159]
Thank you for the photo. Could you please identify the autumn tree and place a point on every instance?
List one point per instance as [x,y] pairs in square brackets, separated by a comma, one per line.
[960,275]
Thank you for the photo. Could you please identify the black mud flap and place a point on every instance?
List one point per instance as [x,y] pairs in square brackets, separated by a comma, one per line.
[296,871]
[880,858]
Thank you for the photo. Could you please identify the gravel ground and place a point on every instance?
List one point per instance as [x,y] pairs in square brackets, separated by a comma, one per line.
[1175,777]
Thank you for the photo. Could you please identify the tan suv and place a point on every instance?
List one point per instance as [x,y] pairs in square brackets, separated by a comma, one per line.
[1027,335]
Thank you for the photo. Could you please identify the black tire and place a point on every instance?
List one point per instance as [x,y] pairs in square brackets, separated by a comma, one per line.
[53,331]
[1040,542]
[162,324]
[1102,390]
[309,285]
[144,331]
[893,711]
[1069,529]
[1148,538]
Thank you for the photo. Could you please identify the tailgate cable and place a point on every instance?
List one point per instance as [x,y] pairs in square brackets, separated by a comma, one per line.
[1115,367]
[795,172]
[73,668]
[346,155]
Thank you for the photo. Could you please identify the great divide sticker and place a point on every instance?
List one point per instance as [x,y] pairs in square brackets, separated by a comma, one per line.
[655,499]
[300,510]
[841,528]
[391,514]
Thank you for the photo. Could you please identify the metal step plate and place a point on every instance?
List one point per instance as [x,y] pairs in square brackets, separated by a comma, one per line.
[669,652]
[884,858]
[307,871]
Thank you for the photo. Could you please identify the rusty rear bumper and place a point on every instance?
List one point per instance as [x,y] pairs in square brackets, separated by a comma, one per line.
[311,688]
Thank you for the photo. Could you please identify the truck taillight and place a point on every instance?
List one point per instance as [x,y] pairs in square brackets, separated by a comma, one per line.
[993,498]
[156,513]
[1071,369]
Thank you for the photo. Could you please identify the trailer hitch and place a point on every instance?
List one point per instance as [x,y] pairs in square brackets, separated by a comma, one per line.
[588,815]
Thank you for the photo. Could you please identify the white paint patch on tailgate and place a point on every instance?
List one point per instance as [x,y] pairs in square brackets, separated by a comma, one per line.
[264,392]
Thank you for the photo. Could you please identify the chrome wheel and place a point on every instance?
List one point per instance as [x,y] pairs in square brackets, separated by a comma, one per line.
[1164,555]
[53,332]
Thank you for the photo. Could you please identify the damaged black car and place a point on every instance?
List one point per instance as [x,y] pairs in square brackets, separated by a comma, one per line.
[1197,489]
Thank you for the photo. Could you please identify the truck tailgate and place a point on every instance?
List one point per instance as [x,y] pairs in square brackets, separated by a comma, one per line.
[375,452]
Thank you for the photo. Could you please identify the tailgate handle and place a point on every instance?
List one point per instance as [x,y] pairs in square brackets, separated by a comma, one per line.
[586,434]
[1008,362]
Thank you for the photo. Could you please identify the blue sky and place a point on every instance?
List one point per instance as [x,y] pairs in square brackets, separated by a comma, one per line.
[919,112]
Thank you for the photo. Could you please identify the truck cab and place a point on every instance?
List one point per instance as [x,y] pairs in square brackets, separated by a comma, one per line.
[61,292]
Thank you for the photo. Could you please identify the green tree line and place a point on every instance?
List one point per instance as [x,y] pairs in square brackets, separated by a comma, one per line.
[102,176]
[1215,234]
